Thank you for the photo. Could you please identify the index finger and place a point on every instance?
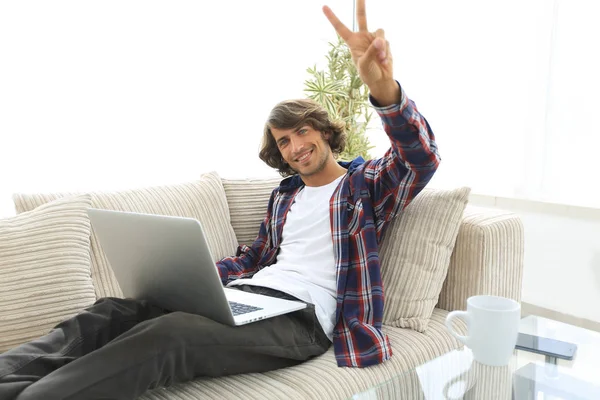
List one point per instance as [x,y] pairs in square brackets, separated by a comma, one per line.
[361,16]
[340,28]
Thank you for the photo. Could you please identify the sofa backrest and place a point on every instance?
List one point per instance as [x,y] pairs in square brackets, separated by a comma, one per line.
[202,199]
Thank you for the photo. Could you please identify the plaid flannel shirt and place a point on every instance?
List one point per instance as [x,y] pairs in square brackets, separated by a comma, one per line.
[365,200]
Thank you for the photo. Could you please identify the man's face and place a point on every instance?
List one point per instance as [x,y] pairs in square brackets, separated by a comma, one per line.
[304,149]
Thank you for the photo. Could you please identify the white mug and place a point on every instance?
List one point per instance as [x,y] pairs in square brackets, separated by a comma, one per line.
[493,327]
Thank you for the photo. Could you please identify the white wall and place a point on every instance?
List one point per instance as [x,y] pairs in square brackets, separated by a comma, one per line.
[116,94]
[562,255]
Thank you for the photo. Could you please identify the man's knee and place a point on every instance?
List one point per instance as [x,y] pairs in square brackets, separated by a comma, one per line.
[174,322]
[176,327]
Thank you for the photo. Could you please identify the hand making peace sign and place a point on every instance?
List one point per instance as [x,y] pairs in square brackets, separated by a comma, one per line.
[370,52]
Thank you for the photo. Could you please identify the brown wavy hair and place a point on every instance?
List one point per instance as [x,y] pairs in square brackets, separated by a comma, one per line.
[292,114]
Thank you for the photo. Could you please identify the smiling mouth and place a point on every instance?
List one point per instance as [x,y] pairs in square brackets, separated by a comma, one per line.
[305,157]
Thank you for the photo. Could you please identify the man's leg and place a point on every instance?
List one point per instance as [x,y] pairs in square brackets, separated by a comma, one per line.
[178,347]
[71,339]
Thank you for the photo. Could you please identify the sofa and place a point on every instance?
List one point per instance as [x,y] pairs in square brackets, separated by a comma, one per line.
[434,255]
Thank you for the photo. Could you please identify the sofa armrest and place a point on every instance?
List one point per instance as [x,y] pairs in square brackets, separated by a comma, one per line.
[487,258]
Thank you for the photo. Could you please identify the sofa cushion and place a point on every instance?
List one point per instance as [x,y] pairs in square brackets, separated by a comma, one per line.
[44,269]
[248,200]
[321,378]
[415,255]
[203,200]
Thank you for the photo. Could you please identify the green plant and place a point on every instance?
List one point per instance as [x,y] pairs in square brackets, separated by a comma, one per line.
[343,94]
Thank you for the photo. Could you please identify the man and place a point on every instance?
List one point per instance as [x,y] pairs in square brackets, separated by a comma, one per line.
[318,244]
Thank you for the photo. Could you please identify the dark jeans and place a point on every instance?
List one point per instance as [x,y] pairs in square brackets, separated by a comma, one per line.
[119,348]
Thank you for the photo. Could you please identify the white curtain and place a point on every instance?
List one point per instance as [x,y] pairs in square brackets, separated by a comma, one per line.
[509,87]
[119,94]
[572,137]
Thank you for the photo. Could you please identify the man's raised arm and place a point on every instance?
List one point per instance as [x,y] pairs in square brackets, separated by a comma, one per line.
[396,178]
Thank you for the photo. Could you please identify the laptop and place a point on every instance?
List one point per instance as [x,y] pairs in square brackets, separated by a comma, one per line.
[166,261]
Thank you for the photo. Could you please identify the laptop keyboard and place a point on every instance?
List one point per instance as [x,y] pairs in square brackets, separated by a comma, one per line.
[239,308]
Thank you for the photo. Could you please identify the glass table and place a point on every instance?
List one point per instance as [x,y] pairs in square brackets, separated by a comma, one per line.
[455,375]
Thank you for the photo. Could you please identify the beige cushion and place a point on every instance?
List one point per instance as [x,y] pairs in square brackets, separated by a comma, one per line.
[203,199]
[415,255]
[321,378]
[248,200]
[44,269]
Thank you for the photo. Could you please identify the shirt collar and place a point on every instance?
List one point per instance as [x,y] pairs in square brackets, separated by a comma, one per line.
[294,182]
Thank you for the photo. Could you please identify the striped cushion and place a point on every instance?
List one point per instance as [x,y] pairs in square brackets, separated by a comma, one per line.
[44,269]
[415,252]
[203,199]
[321,378]
[248,201]
[415,255]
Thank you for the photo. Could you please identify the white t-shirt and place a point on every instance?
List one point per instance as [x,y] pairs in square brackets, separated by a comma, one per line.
[305,266]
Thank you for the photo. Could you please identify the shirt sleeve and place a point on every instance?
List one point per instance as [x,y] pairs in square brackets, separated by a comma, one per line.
[247,260]
[408,165]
